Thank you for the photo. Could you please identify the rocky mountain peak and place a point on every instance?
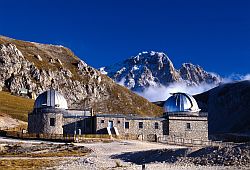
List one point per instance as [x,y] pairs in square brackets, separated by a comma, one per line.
[152,57]
[143,70]
[195,75]
[152,68]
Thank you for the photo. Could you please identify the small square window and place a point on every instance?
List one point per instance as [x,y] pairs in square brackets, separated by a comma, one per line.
[52,122]
[156,125]
[102,121]
[118,121]
[126,125]
[188,126]
[140,125]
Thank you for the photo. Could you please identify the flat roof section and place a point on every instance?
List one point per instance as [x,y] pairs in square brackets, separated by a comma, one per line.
[129,117]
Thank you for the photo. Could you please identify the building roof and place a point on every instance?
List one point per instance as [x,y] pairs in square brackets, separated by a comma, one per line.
[129,116]
[181,103]
[51,98]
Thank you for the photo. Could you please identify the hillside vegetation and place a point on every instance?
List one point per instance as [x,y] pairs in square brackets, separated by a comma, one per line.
[16,107]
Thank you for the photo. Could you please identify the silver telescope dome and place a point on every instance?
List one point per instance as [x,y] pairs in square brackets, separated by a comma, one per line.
[50,98]
[181,103]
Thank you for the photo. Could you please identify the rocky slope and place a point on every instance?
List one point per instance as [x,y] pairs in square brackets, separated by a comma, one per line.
[228,107]
[231,156]
[154,69]
[34,67]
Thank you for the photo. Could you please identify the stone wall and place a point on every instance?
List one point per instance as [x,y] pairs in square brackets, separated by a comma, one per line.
[82,125]
[35,124]
[101,123]
[178,127]
[41,123]
[147,132]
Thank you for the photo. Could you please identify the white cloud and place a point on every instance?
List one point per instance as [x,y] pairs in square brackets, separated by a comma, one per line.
[235,77]
[246,77]
[161,93]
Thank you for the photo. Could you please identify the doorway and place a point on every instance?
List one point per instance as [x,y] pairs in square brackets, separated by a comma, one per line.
[110,124]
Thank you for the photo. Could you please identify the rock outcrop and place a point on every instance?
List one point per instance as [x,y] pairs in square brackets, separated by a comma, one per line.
[195,75]
[58,68]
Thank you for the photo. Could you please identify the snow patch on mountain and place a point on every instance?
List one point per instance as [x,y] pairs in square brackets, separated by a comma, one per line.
[102,70]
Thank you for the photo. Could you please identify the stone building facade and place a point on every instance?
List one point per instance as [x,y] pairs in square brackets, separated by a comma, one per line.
[49,122]
[181,119]
[145,128]
[188,127]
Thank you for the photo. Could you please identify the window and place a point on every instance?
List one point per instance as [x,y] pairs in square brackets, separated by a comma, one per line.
[52,122]
[188,126]
[102,121]
[140,125]
[126,125]
[118,121]
[156,125]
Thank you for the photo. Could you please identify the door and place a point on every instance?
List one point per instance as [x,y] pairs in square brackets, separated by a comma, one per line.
[110,124]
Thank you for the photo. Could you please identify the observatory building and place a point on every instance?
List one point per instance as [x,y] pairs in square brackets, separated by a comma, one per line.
[182,118]
[52,116]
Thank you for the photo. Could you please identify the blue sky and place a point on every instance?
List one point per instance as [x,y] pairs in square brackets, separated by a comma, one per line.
[212,33]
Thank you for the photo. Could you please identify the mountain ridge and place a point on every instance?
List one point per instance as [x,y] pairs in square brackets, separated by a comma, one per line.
[151,69]
[37,67]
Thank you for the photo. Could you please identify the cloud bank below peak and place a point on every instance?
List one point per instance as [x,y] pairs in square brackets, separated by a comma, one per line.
[161,93]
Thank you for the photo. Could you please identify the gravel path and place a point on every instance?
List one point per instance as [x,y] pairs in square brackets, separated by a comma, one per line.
[104,153]
[12,140]
[120,155]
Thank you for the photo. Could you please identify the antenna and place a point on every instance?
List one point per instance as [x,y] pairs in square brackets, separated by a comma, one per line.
[52,81]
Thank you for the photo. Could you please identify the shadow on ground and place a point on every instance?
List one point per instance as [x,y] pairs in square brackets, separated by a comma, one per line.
[150,156]
[238,155]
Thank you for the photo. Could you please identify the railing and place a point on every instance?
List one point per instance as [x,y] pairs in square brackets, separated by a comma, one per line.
[17,128]
[128,136]
[54,137]
[192,142]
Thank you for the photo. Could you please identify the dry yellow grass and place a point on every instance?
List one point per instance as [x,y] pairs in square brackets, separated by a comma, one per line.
[28,163]
[63,153]
[16,107]
[38,156]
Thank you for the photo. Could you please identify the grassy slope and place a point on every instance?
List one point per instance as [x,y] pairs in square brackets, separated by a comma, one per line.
[129,103]
[16,107]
